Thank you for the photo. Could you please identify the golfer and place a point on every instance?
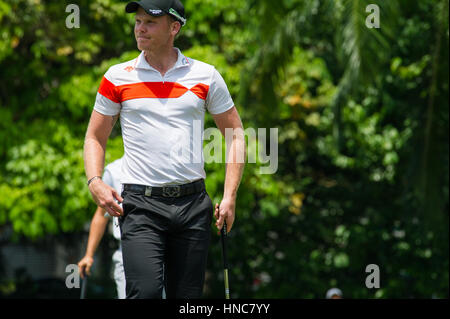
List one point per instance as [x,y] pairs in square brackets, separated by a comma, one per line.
[161,98]
[99,222]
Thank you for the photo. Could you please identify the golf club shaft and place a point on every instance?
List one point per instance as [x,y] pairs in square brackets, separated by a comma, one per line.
[225,260]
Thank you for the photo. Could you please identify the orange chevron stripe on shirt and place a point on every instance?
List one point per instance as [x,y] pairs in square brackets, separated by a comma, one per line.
[160,90]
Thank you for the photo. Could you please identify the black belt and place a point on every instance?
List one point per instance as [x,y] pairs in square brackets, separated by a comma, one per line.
[167,191]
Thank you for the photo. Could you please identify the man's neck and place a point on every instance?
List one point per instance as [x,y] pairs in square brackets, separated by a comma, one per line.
[162,60]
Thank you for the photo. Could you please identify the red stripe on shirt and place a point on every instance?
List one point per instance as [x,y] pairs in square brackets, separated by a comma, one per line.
[160,90]
[201,90]
[109,90]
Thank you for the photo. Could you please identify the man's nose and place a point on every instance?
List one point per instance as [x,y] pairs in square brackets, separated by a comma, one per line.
[140,29]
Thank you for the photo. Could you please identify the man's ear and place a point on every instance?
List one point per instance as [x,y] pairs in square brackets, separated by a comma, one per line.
[176,26]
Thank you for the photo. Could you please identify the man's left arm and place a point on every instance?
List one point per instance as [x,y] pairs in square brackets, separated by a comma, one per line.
[229,123]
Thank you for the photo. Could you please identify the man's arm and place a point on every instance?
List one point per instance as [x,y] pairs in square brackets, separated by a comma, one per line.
[99,129]
[96,231]
[234,167]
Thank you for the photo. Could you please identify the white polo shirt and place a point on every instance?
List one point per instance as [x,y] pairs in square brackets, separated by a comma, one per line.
[162,118]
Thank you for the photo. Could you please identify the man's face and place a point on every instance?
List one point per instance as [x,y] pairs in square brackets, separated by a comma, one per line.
[152,32]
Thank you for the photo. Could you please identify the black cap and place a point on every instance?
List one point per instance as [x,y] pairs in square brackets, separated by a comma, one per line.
[159,7]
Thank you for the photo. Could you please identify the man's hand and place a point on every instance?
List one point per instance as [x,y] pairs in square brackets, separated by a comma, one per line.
[84,266]
[226,212]
[105,197]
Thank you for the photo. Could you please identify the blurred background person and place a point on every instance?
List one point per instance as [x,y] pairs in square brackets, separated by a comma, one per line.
[111,177]
[334,293]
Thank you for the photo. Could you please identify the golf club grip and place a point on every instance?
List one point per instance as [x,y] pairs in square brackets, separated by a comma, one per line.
[224,246]
[83,287]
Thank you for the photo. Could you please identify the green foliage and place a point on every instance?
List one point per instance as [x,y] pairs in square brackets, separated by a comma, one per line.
[362,117]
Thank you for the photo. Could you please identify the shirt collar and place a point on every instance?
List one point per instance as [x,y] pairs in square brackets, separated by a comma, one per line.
[182,61]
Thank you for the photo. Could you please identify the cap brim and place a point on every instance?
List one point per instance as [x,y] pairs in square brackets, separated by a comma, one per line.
[134,6]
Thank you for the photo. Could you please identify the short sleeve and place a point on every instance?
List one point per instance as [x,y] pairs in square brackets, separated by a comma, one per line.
[107,101]
[218,99]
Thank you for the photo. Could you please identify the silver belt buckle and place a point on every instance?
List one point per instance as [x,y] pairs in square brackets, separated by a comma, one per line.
[171,191]
[148,191]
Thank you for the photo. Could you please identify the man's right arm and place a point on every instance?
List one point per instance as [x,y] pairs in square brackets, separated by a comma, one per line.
[96,231]
[99,129]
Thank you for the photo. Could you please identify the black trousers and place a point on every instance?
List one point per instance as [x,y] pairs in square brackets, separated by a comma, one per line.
[165,235]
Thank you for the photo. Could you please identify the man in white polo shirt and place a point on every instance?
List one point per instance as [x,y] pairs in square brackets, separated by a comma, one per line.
[160,97]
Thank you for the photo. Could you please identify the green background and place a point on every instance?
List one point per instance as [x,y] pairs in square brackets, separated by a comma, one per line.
[362,116]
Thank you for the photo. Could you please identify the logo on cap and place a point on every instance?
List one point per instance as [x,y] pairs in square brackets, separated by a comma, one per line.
[155,11]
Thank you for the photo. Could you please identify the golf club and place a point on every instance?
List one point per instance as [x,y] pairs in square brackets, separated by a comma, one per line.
[225,260]
[83,286]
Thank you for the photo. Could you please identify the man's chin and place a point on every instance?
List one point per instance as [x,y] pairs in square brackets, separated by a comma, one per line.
[143,47]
